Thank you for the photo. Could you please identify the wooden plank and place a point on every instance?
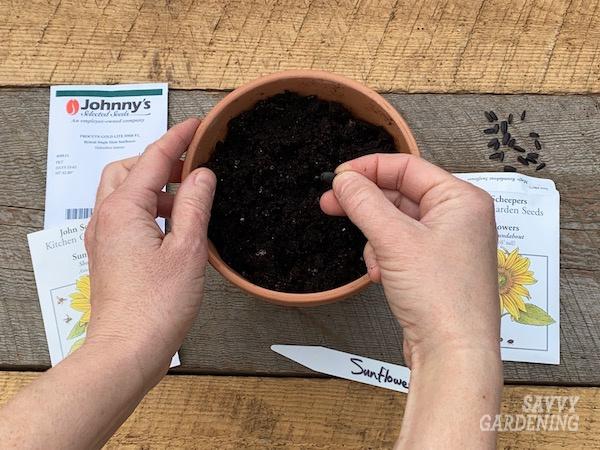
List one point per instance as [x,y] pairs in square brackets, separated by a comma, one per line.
[233,332]
[447,129]
[503,46]
[248,412]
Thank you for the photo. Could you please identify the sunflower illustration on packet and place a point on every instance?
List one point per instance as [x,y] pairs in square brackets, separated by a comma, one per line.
[80,302]
[514,275]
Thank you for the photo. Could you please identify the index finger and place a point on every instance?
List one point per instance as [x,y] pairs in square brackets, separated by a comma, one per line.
[153,168]
[410,175]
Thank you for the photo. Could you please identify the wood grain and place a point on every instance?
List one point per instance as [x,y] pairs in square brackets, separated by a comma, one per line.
[500,46]
[234,332]
[246,412]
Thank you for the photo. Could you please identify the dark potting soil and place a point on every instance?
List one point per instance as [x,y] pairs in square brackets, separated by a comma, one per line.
[266,221]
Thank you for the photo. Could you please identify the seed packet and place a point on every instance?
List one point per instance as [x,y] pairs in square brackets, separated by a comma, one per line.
[89,127]
[527,219]
[60,265]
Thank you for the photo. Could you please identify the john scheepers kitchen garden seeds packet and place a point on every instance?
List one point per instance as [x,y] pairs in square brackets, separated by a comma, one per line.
[527,219]
[60,265]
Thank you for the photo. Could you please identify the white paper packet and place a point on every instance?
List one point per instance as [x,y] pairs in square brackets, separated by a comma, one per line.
[89,127]
[60,265]
[527,219]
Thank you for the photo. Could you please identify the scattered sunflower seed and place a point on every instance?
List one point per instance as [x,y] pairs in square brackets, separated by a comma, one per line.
[519,149]
[494,116]
[538,144]
[541,166]
[510,119]
[504,126]
[493,142]
[531,159]
[511,143]
[505,138]
[533,155]
[501,156]
[533,134]
[495,155]
[492,130]
[523,114]
[523,160]
[488,116]
[510,169]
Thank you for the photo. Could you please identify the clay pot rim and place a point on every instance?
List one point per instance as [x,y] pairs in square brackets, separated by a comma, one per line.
[280,297]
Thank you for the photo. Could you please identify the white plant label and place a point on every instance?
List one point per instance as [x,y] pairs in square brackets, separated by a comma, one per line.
[348,366]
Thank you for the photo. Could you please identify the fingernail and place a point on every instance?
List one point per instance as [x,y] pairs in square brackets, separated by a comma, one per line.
[203,176]
[341,175]
[344,167]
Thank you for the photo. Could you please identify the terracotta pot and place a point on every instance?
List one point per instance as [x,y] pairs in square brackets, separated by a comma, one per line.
[364,104]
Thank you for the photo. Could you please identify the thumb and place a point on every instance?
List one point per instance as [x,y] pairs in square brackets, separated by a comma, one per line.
[191,208]
[366,205]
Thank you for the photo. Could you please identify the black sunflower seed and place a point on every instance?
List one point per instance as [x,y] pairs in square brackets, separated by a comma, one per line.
[501,156]
[541,166]
[494,116]
[511,143]
[523,160]
[492,130]
[519,149]
[531,160]
[488,116]
[493,142]
[327,177]
[523,114]
[510,169]
[533,134]
[505,138]
[538,144]
[504,126]
[533,155]
[510,119]
[495,156]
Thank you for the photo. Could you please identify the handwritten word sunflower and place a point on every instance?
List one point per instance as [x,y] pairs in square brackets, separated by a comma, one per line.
[80,301]
[513,276]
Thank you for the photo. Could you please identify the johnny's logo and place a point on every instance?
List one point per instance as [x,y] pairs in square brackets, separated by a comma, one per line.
[72,107]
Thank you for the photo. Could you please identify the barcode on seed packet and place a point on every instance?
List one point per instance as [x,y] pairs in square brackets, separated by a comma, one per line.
[78,213]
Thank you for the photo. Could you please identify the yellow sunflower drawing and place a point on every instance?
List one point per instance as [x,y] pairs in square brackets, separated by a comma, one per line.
[80,301]
[513,276]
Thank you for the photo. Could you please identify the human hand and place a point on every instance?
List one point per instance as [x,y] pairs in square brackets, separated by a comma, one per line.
[146,287]
[431,243]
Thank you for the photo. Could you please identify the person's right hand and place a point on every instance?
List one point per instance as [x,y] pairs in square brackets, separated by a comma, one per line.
[431,243]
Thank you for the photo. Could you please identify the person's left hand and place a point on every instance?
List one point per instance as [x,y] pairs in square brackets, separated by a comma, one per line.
[146,287]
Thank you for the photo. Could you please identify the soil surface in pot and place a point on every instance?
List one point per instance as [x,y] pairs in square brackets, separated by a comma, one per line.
[266,221]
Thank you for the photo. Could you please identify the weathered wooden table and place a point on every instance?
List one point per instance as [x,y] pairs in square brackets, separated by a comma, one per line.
[447,62]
